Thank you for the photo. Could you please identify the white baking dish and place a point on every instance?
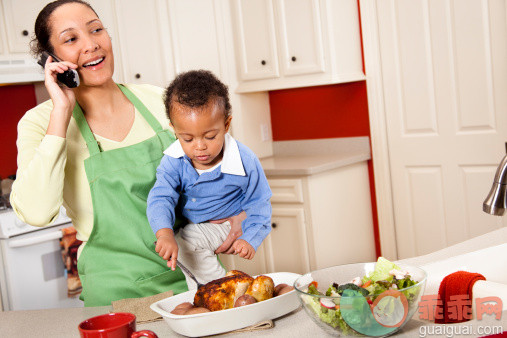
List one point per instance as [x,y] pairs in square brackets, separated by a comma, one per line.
[203,324]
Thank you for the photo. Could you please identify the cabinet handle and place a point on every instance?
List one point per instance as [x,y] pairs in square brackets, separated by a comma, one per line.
[263,62]
[24,32]
[273,225]
[293,58]
[138,76]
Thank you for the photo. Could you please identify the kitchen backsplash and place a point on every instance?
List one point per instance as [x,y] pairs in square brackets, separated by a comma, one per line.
[320,112]
[15,100]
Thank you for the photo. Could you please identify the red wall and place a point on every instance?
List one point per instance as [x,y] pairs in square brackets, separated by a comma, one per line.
[320,112]
[15,100]
[339,110]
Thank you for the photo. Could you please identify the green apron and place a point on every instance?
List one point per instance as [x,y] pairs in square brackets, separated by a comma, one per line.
[119,260]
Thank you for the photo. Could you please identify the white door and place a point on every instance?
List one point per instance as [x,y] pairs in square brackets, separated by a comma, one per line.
[443,70]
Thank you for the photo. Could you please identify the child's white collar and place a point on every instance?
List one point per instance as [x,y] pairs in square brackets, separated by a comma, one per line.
[231,162]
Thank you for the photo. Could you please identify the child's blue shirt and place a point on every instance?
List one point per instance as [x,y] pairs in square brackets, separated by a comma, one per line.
[238,184]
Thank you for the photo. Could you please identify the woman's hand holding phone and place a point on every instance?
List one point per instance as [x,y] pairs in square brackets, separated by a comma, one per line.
[63,97]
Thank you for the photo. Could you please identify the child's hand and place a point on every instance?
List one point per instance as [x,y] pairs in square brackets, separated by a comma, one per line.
[243,249]
[167,248]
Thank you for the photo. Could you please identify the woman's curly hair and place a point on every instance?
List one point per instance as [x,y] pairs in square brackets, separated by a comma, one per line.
[195,89]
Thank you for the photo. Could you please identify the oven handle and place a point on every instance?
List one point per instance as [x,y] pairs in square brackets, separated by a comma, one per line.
[18,243]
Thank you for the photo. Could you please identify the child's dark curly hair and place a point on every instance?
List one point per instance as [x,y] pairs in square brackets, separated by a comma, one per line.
[195,89]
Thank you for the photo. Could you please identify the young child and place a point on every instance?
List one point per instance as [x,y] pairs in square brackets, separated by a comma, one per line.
[216,176]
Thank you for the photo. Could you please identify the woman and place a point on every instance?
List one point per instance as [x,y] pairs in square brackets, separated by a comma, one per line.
[95,148]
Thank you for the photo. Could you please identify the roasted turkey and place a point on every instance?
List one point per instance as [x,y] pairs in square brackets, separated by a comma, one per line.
[221,294]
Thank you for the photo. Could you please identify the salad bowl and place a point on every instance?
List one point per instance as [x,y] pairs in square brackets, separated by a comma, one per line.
[365,299]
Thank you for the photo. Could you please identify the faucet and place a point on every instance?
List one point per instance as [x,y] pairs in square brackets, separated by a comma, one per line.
[496,202]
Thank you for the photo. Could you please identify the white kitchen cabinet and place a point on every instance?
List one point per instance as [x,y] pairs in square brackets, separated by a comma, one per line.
[141,40]
[296,43]
[194,32]
[319,220]
[339,216]
[287,245]
[255,39]
[300,37]
[322,219]
[288,226]
[20,18]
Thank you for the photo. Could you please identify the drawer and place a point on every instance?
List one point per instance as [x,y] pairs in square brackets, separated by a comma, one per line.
[286,191]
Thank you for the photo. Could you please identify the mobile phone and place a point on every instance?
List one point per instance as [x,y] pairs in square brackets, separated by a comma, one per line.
[70,77]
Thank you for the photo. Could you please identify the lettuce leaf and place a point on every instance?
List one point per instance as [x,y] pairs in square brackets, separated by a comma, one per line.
[328,316]
[381,272]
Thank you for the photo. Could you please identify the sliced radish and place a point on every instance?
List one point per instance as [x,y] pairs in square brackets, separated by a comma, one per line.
[327,303]
[357,281]
[398,273]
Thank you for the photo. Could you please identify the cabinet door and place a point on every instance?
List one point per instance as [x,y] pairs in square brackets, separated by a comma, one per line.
[20,18]
[287,244]
[256,266]
[300,37]
[255,39]
[194,33]
[141,41]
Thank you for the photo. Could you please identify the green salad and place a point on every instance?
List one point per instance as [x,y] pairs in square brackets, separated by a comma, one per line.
[386,276]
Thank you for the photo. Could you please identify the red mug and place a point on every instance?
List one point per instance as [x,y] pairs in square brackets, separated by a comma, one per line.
[113,325]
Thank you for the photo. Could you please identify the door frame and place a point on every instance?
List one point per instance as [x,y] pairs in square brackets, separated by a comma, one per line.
[378,128]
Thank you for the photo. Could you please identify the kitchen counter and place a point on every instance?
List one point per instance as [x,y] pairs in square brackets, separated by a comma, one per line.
[308,157]
[63,323]
[57,323]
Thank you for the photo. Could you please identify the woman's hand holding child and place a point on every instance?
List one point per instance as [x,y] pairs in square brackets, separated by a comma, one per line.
[235,232]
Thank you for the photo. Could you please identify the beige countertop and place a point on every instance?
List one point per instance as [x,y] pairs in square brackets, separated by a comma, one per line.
[57,323]
[308,157]
[62,323]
